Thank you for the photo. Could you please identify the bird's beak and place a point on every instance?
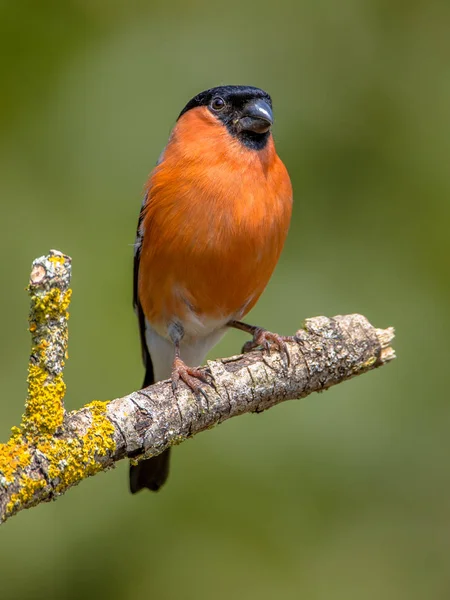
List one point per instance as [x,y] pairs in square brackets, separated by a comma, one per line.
[256,116]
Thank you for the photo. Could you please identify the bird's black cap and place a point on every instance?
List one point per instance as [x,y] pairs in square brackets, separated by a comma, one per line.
[246,111]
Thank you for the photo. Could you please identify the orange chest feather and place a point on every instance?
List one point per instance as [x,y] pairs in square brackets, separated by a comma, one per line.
[216,219]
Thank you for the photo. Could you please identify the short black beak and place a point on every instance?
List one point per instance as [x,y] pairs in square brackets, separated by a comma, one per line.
[257,116]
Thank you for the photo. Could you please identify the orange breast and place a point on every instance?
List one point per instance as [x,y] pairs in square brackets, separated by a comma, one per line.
[215,223]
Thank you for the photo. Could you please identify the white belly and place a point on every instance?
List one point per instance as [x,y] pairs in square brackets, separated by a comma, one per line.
[193,350]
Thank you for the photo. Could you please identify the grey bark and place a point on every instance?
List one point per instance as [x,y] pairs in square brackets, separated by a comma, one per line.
[326,351]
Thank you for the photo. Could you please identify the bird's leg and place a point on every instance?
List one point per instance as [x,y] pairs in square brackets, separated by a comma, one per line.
[191,376]
[262,338]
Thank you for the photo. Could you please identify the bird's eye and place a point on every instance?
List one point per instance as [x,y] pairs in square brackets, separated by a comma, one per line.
[218,104]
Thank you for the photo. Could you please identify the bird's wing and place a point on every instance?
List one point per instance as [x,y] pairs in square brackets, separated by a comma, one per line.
[146,358]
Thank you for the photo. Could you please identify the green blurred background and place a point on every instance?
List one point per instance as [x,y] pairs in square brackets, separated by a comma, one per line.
[352,500]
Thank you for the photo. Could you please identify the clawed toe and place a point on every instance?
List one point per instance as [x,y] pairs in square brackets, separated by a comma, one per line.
[193,378]
[266,340]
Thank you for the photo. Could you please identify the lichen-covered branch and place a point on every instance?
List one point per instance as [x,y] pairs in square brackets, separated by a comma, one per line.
[53,450]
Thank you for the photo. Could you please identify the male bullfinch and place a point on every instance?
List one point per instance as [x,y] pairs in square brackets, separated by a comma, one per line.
[211,229]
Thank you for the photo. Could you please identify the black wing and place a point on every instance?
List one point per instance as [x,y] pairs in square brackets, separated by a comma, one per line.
[146,358]
[153,472]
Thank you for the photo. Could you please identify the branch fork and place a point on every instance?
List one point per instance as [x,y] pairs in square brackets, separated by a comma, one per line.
[52,450]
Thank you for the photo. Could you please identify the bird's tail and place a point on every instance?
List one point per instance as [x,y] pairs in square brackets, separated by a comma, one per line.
[151,473]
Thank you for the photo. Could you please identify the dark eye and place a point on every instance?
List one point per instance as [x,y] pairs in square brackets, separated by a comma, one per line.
[218,103]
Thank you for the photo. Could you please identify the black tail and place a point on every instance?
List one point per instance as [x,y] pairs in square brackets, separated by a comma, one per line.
[151,473]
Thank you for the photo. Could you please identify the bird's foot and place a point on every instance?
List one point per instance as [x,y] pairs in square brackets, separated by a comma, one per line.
[267,340]
[263,339]
[193,378]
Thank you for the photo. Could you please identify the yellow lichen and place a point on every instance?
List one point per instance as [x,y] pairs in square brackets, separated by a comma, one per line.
[365,365]
[74,459]
[65,300]
[14,455]
[52,305]
[69,458]
[44,411]
[57,259]
[26,496]
[178,439]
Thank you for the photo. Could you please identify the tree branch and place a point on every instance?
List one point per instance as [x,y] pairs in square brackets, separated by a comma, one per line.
[53,450]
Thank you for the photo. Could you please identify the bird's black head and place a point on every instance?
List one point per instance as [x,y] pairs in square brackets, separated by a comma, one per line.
[245,111]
